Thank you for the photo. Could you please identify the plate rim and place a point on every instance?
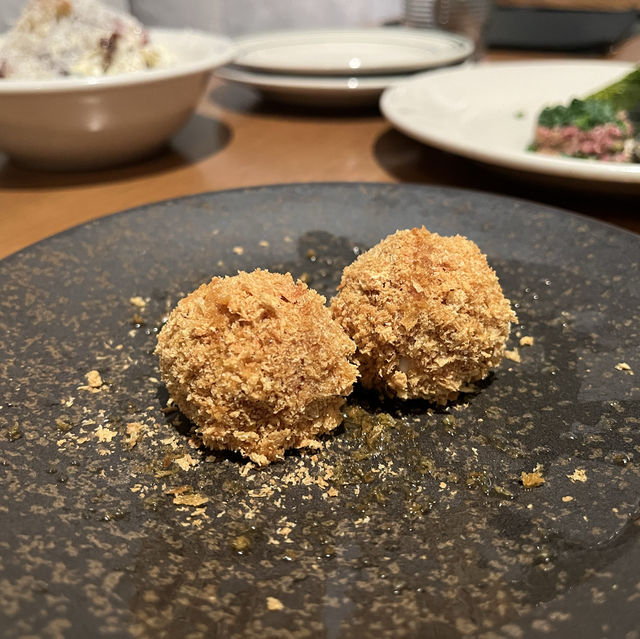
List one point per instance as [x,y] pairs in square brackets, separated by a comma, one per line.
[603,225]
[310,84]
[464,46]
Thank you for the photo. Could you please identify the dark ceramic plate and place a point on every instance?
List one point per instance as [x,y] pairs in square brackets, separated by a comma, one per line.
[113,523]
[558,30]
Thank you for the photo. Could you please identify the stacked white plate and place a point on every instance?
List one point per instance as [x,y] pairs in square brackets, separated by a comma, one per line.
[339,67]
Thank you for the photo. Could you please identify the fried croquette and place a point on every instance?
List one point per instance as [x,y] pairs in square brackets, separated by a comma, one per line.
[427,314]
[257,363]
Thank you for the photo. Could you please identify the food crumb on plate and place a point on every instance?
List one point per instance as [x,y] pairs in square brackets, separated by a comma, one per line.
[274,604]
[624,367]
[138,301]
[532,480]
[513,355]
[186,462]
[134,433]
[579,474]
[190,499]
[94,380]
[105,434]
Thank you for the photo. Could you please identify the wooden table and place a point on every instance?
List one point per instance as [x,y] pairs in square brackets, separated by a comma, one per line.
[238,140]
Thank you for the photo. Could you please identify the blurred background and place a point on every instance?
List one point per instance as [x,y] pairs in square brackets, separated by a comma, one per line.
[562,25]
[237,17]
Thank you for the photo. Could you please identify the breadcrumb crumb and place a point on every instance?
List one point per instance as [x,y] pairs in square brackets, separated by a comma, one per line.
[624,367]
[579,474]
[513,355]
[532,480]
[190,499]
[94,380]
[274,604]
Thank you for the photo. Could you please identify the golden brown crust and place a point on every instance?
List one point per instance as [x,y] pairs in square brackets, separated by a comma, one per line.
[426,312]
[257,362]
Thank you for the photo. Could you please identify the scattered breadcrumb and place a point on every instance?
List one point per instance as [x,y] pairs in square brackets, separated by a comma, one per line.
[178,490]
[526,340]
[247,468]
[138,301]
[186,462]
[274,604]
[579,474]
[191,499]
[184,496]
[134,434]
[567,498]
[623,366]
[238,250]
[513,355]
[532,480]
[94,380]
[105,434]
[63,424]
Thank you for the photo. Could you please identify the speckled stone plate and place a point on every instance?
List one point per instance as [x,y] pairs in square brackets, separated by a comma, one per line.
[409,522]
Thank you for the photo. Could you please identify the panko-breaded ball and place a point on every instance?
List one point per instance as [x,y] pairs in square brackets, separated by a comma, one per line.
[257,363]
[427,314]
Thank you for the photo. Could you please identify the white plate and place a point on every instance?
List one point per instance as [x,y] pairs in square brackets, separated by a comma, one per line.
[77,123]
[488,112]
[354,91]
[345,52]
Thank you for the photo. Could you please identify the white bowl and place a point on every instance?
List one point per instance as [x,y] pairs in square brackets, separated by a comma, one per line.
[95,122]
